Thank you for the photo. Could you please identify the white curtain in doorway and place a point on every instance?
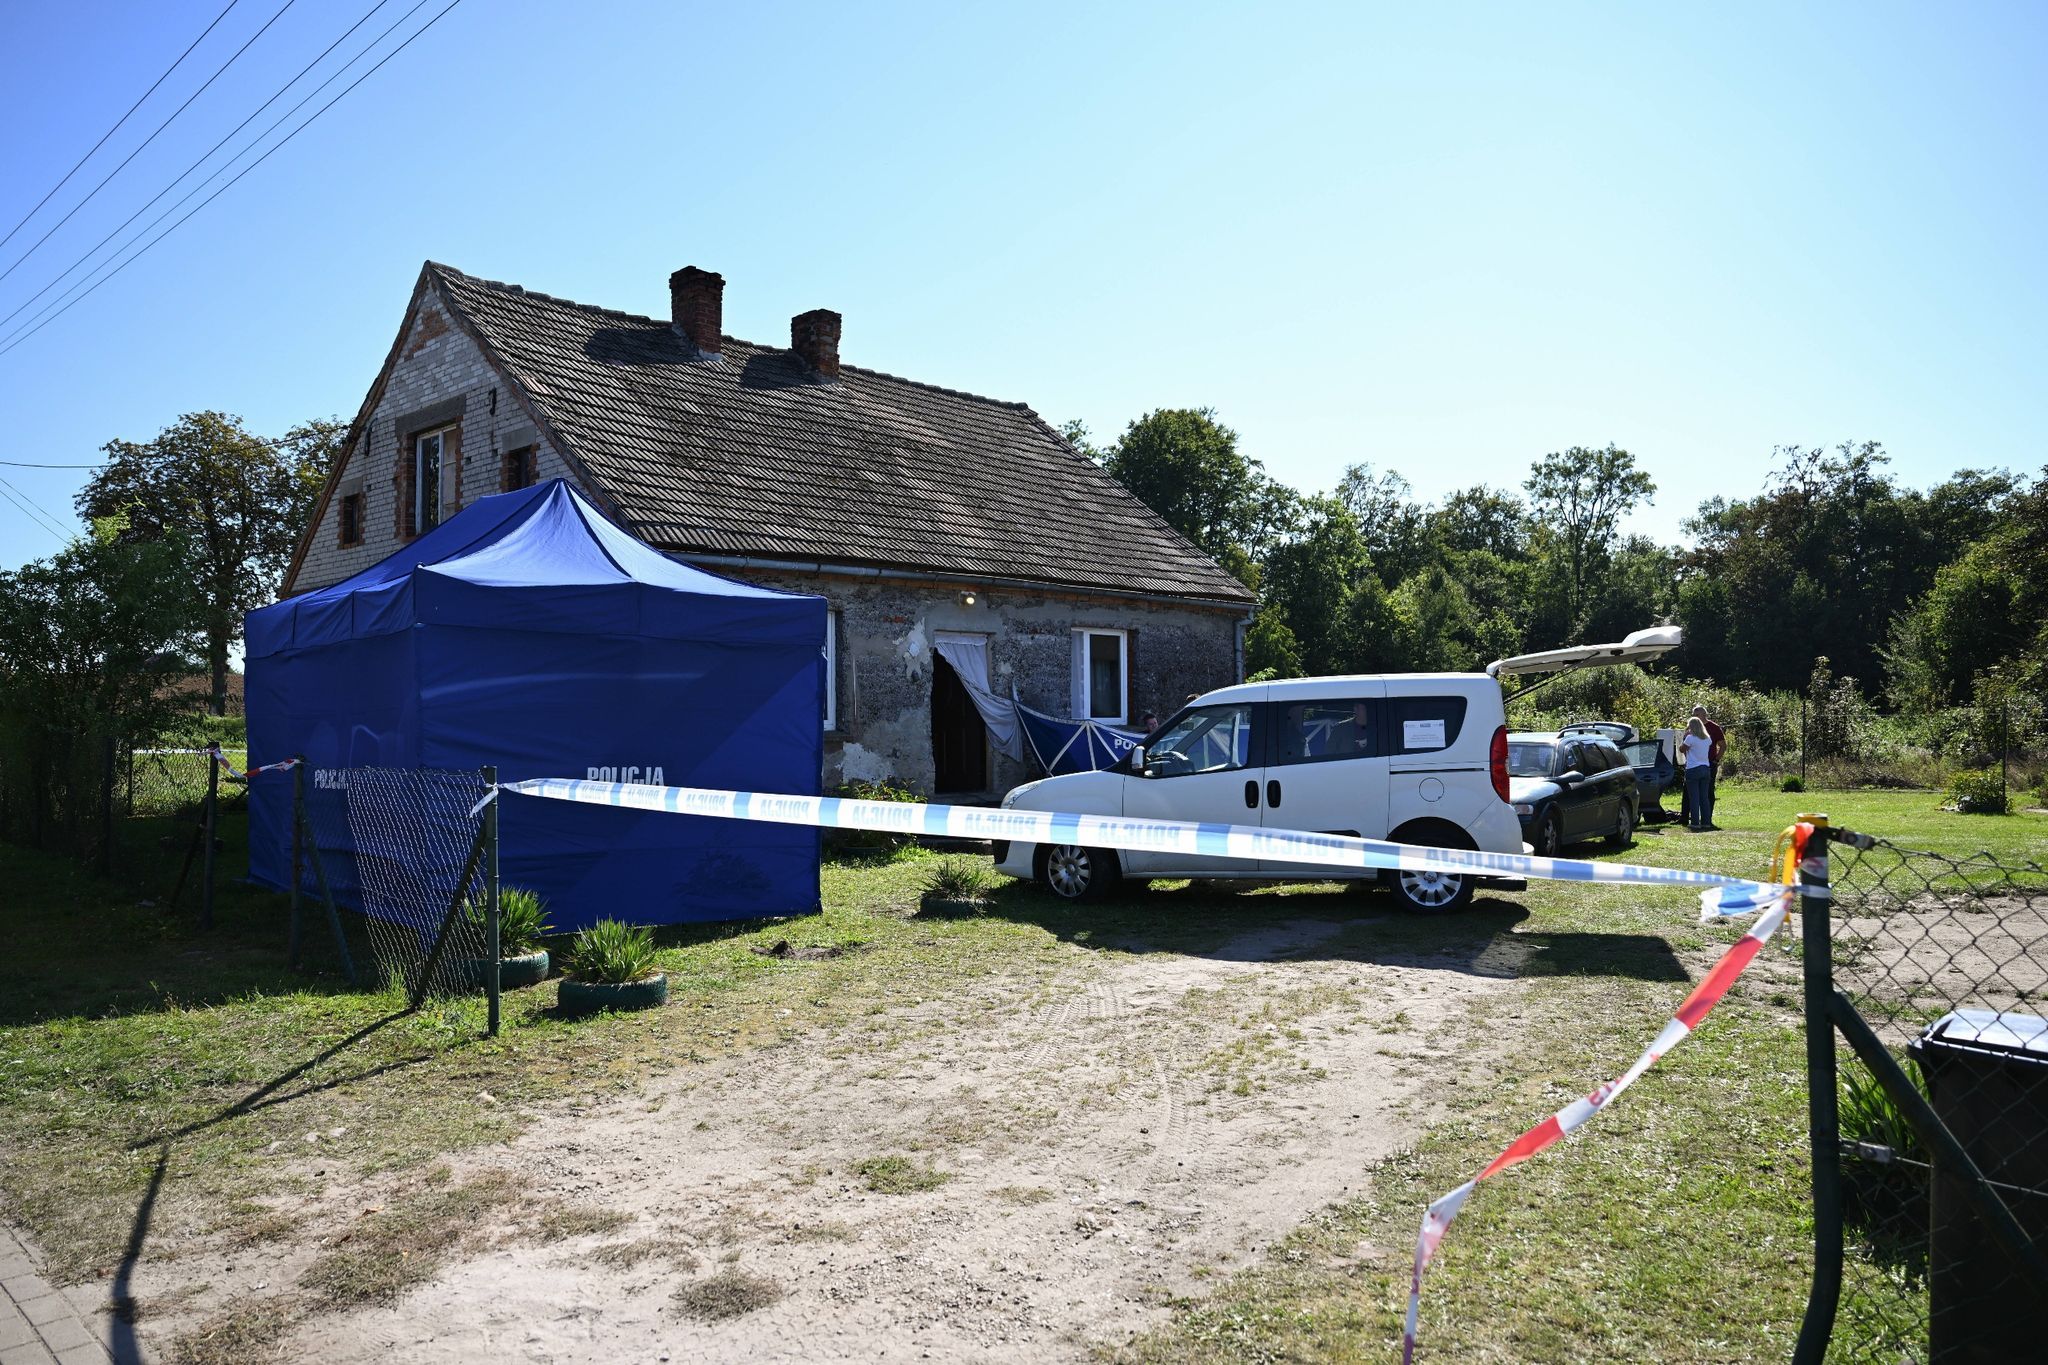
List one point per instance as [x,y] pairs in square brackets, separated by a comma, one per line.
[969,656]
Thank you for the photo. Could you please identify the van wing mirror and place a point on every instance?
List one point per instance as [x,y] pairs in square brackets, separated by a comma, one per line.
[1138,758]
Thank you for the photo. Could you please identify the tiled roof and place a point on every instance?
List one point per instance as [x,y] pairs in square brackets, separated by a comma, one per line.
[752,453]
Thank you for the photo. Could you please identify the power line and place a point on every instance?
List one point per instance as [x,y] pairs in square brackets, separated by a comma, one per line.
[33,509]
[24,305]
[117,124]
[30,464]
[151,138]
[50,317]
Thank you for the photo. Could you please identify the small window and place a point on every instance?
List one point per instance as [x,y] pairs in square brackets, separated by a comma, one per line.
[1101,675]
[520,468]
[1208,739]
[1320,731]
[426,480]
[1571,759]
[1421,725]
[1594,755]
[352,519]
[831,670]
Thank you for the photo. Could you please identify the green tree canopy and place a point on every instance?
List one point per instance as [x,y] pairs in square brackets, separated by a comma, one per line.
[233,501]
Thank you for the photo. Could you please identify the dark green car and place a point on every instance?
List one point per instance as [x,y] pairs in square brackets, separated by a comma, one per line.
[1568,788]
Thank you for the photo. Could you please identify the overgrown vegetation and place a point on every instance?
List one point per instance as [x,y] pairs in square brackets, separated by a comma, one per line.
[522,920]
[898,1174]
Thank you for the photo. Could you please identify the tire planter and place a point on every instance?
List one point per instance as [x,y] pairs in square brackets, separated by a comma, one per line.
[529,969]
[588,997]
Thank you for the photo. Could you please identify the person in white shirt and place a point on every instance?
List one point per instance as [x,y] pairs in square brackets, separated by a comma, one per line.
[1696,747]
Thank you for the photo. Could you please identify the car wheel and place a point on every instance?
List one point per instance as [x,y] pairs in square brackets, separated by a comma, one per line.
[1624,828]
[1549,835]
[1074,873]
[1431,893]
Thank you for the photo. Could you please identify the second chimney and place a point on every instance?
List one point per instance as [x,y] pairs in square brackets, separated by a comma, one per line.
[696,302]
[815,337]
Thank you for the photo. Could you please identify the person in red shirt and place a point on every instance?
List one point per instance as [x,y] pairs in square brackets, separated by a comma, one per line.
[1718,739]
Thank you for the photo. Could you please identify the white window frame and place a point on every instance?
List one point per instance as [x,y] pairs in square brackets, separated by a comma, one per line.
[831,671]
[439,435]
[1084,702]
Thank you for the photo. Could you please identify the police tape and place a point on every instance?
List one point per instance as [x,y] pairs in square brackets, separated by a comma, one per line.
[1436,1220]
[238,773]
[1720,895]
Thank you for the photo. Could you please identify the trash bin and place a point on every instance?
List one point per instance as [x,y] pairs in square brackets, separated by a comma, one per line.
[1987,1079]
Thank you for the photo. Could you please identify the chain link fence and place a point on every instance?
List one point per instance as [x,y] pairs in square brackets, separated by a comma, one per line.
[409,852]
[1934,979]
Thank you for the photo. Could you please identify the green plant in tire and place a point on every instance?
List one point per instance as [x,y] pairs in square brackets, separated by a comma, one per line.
[609,953]
[522,922]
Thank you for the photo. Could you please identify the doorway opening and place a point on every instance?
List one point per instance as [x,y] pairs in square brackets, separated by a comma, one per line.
[959,736]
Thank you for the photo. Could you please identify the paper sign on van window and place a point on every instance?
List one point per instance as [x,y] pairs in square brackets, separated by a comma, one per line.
[1422,734]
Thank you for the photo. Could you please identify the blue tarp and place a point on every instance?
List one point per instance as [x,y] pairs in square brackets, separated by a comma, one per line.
[1074,746]
[531,633]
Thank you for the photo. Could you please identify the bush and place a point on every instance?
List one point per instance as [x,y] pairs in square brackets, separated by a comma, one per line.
[522,920]
[1978,791]
[609,953]
[957,880]
[879,789]
[1792,784]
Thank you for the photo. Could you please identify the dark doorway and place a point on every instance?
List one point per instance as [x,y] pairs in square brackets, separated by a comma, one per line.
[959,739]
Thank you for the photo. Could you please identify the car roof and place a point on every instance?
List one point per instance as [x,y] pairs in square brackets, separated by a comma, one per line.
[1334,685]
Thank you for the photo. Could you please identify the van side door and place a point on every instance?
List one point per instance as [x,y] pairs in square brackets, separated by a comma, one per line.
[1325,770]
[1207,766]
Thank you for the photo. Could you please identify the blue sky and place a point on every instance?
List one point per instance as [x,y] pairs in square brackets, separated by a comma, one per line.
[1442,242]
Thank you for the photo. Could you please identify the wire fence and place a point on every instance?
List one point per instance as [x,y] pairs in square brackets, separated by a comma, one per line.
[408,850]
[1935,979]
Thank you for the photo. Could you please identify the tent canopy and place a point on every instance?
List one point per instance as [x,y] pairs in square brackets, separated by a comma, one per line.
[531,634]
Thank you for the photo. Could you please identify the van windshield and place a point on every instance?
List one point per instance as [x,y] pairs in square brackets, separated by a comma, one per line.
[1526,759]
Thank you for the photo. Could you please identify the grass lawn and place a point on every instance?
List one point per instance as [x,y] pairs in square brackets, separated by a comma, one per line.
[144,1066]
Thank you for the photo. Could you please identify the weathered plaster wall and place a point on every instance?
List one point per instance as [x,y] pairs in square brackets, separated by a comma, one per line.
[436,362]
[885,661]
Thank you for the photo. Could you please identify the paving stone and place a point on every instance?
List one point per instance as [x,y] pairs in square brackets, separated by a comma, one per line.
[65,1333]
[15,1330]
[48,1308]
[35,1353]
[22,1288]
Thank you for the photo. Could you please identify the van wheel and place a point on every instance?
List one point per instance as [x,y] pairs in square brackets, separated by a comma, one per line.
[1625,828]
[1430,893]
[1074,873]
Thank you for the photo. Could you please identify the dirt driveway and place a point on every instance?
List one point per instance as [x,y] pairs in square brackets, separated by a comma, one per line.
[1030,1171]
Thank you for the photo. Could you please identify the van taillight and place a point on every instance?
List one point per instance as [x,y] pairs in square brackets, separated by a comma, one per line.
[1497,761]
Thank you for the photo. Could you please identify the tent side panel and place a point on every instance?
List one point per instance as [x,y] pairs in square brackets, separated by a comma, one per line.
[737,712]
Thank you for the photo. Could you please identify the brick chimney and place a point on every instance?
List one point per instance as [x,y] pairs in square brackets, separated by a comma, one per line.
[815,337]
[696,301]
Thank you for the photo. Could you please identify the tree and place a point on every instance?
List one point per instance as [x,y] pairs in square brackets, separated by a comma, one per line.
[1580,495]
[1392,525]
[1270,649]
[1185,465]
[1479,518]
[232,500]
[88,640]
[1312,576]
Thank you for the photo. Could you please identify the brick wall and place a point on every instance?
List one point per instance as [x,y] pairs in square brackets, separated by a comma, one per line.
[437,364]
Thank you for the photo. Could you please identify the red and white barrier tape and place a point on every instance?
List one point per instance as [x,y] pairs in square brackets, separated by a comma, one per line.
[1436,1220]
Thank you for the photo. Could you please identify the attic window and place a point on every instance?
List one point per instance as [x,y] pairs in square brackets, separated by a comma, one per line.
[351,522]
[520,471]
[426,479]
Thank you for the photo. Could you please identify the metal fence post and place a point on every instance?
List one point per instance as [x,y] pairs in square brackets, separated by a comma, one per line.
[1823,1122]
[492,954]
[206,868]
[298,860]
[107,807]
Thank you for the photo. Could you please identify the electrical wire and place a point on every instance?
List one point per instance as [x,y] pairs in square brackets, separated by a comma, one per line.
[75,297]
[151,138]
[31,464]
[34,509]
[117,124]
[24,305]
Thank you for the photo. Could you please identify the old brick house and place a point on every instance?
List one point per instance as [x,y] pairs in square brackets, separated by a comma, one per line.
[966,550]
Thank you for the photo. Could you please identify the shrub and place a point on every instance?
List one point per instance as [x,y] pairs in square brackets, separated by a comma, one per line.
[957,880]
[610,953]
[879,789]
[522,920]
[1792,784]
[1870,1114]
[1978,791]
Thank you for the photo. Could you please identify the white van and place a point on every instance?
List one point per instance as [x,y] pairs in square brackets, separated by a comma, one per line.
[1418,758]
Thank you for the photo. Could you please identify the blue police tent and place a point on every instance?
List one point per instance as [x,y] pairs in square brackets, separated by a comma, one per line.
[532,633]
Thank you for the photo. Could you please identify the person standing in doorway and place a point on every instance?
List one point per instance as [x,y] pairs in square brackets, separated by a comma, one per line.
[1696,748]
[1719,739]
